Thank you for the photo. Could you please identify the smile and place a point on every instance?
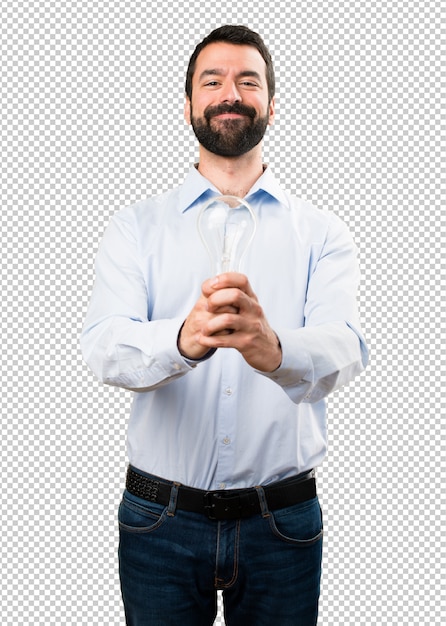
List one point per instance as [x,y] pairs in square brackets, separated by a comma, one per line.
[228,116]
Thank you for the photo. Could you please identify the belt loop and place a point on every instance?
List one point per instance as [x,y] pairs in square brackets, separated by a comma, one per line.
[173,499]
[263,504]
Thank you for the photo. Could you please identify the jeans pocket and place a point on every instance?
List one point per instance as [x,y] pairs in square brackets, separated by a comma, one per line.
[138,516]
[300,524]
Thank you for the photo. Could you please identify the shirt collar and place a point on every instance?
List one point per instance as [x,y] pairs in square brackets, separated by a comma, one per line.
[197,187]
[268,183]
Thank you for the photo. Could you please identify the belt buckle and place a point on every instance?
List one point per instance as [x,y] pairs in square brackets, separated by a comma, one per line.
[217,506]
[210,504]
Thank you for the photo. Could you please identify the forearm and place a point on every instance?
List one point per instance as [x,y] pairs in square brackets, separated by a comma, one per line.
[317,360]
[140,356]
[119,342]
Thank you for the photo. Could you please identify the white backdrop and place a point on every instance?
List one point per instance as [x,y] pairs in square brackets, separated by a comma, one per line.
[91,120]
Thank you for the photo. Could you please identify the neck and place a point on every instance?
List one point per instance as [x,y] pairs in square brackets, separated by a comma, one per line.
[232,176]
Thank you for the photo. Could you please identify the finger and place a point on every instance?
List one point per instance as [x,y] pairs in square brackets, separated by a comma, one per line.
[224,324]
[223,309]
[226,300]
[226,281]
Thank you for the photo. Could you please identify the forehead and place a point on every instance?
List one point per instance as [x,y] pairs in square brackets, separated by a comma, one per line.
[228,57]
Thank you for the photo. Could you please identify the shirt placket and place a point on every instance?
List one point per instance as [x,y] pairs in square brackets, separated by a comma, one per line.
[226,432]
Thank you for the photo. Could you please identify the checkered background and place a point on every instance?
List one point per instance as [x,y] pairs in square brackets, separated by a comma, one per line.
[91,121]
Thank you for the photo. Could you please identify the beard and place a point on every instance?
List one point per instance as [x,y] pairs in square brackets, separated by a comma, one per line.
[229,137]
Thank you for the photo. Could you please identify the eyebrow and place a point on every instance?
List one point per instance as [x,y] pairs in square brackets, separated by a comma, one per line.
[221,72]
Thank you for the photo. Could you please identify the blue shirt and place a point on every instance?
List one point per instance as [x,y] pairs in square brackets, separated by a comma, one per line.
[219,423]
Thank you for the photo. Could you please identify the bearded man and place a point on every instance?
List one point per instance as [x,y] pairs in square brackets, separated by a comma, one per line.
[229,372]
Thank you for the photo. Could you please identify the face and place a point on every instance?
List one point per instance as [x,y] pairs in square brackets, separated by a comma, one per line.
[229,111]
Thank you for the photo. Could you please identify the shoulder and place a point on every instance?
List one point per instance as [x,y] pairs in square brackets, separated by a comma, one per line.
[149,209]
[141,221]
[317,222]
[320,227]
[309,211]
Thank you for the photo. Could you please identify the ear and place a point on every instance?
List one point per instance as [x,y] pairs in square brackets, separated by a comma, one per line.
[187,110]
[272,111]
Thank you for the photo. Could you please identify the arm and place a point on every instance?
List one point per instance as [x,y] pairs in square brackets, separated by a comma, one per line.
[307,362]
[329,351]
[118,341]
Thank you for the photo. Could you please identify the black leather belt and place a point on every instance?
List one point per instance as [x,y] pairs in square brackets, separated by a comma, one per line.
[223,505]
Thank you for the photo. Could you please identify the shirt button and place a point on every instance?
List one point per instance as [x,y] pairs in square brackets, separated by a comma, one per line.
[228,391]
[222,486]
[176,366]
[226,441]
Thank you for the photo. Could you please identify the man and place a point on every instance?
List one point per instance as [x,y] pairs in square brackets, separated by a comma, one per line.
[230,372]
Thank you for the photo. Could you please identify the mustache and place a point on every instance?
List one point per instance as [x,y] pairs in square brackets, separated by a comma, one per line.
[237,107]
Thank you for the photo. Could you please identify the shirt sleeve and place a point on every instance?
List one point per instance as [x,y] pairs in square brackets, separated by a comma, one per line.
[118,342]
[329,350]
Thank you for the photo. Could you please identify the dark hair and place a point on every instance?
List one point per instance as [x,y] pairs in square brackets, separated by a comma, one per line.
[238,35]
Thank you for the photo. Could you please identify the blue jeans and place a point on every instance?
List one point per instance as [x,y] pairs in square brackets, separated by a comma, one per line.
[172,562]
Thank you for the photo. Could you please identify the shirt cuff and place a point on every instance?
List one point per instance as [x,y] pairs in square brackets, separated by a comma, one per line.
[296,366]
[193,362]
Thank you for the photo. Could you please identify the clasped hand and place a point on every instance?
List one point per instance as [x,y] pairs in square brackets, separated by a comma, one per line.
[228,315]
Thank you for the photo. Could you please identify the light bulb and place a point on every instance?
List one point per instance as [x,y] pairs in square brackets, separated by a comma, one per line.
[227,225]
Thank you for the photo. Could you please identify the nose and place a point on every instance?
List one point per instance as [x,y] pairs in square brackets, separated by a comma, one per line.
[230,93]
